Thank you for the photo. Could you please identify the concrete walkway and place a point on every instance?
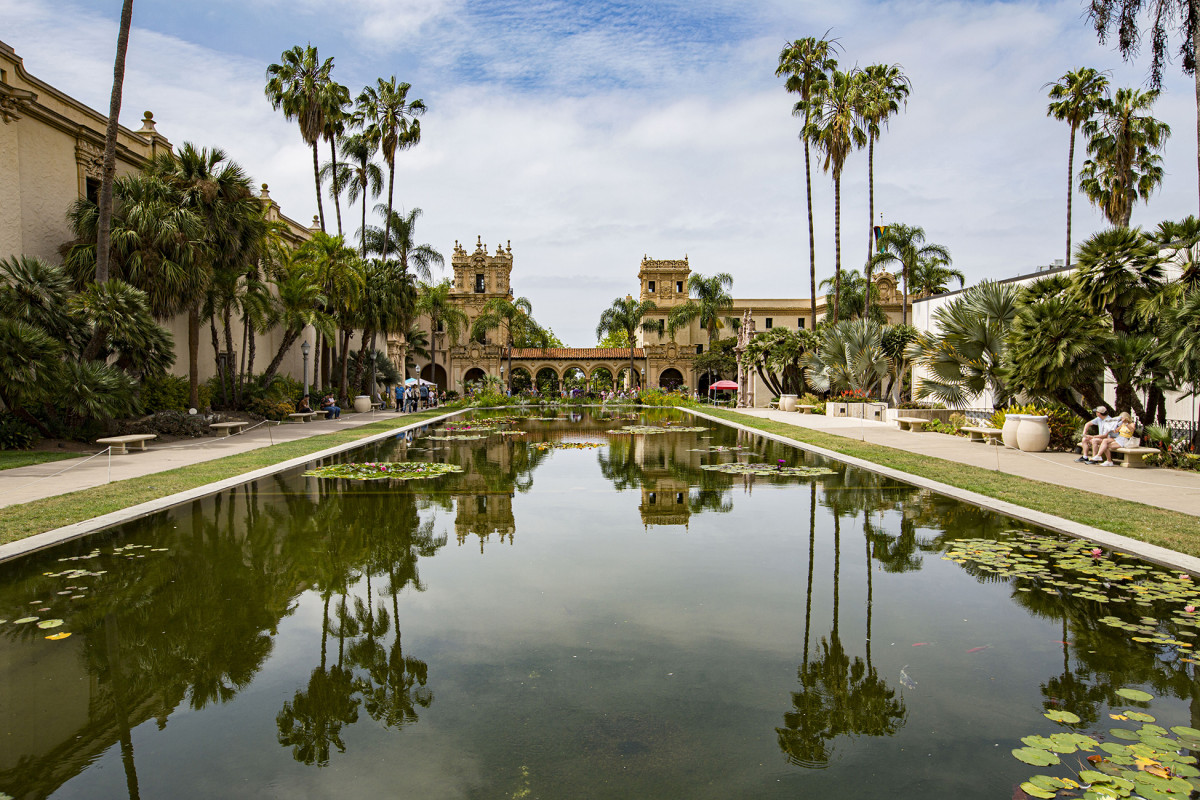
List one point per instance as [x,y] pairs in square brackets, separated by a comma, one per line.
[23,484]
[1171,489]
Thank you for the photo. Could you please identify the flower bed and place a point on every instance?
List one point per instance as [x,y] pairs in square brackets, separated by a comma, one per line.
[384,470]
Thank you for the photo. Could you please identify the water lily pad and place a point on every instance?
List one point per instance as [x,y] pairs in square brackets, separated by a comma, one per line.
[1124,733]
[1136,695]
[1034,791]
[1140,716]
[1185,731]
[50,623]
[1035,756]
[1062,716]
[54,637]
[24,620]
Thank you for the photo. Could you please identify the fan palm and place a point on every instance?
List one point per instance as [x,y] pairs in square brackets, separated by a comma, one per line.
[1055,352]
[884,88]
[835,130]
[807,64]
[363,177]
[389,121]
[1074,100]
[710,303]
[303,87]
[905,245]
[933,274]
[849,357]
[300,304]
[1118,268]
[515,316]
[1124,167]
[435,301]
[627,316]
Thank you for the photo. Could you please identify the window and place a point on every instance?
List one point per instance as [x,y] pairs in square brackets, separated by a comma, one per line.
[441,327]
[770,322]
[92,189]
[800,323]
[650,284]
[480,284]
[652,498]
[679,498]
[699,349]
[679,287]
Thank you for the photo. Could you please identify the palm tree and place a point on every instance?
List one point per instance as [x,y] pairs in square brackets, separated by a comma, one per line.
[835,131]
[515,317]
[854,298]
[444,314]
[710,302]
[933,274]
[884,88]
[849,357]
[807,63]
[302,87]
[1123,15]
[299,304]
[364,177]
[336,99]
[339,273]
[110,146]
[1124,165]
[905,245]
[1073,100]
[627,316]
[390,123]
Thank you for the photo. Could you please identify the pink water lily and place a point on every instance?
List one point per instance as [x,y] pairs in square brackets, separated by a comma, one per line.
[1189,609]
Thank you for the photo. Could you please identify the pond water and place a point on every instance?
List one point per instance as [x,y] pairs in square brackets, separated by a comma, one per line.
[566,622]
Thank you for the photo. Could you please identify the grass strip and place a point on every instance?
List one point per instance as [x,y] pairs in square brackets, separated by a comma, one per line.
[26,519]
[11,459]
[1170,529]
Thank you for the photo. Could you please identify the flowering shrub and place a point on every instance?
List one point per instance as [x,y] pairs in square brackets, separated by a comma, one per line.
[852,396]
[1174,459]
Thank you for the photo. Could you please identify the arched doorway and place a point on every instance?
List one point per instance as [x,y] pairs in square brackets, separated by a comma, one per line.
[521,380]
[574,378]
[547,382]
[706,380]
[670,379]
[435,373]
[601,380]
[622,379]
[475,376]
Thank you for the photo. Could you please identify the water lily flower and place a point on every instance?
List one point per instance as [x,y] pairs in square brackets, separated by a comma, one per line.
[1189,609]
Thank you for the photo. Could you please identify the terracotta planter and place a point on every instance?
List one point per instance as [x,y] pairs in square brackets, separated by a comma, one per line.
[1033,434]
[362,403]
[787,402]
[1008,433]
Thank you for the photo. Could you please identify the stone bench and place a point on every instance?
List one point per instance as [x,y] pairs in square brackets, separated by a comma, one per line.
[302,416]
[118,443]
[1134,456]
[914,424]
[805,409]
[227,428]
[983,434]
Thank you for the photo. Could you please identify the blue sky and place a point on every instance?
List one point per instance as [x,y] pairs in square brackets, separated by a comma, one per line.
[590,134]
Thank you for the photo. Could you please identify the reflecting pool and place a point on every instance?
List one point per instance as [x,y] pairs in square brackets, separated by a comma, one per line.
[561,620]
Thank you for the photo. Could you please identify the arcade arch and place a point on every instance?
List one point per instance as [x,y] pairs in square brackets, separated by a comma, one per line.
[670,379]
[547,381]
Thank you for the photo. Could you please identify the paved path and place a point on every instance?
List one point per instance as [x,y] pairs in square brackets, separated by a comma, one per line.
[24,484]
[1172,489]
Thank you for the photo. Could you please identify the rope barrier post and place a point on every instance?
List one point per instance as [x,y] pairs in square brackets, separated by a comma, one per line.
[109,464]
[270,435]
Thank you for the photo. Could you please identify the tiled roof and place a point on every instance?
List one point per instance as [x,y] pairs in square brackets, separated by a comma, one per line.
[577,352]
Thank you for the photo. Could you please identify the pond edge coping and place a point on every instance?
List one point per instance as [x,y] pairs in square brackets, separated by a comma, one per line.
[1114,541]
[78,530]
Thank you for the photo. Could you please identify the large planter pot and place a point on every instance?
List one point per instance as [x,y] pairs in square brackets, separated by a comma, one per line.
[362,403]
[787,402]
[1008,434]
[1033,433]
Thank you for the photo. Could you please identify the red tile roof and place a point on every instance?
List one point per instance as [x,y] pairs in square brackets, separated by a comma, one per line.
[608,353]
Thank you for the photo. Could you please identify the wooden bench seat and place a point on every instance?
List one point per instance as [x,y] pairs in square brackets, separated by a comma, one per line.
[914,424]
[1134,456]
[984,434]
[303,416]
[227,428]
[118,443]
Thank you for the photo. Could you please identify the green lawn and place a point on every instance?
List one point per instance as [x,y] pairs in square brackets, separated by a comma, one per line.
[27,519]
[1170,529]
[11,459]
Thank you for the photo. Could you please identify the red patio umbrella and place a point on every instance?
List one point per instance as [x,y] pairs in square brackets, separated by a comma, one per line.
[724,385]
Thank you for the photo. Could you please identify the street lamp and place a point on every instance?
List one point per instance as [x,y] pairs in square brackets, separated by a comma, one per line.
[304,348]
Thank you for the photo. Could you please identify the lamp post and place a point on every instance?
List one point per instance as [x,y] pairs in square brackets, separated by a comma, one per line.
[304,348]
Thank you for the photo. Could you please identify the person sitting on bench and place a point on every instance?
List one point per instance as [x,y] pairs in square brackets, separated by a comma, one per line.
[305,406]
[330,408]
[1123,436]
[1103,425]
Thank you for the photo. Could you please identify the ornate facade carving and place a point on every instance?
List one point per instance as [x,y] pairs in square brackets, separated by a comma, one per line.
[14,102]
[90,157]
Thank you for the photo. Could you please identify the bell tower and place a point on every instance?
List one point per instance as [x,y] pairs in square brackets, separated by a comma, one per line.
[479,275]
[664,282]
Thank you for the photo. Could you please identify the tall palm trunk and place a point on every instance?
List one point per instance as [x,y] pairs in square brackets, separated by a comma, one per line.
[216,346]
[837,246]
[289,338]
[363,231]
[333,186]
[1070,192]
[317,180]
[904,297]
[812,242]
[870,222]
[1195,44]
[120,704]
[387,222]
[194,356]
[104,234]
[812,547]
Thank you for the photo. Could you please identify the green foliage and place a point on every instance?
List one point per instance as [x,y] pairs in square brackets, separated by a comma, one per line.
[1174,460]
[777,356]
[16,433]
[849,357]
[164,393]
[719,359]
[660,397]
[614,338]
[270,409]
[811,399]
[179,424]
[1065,427]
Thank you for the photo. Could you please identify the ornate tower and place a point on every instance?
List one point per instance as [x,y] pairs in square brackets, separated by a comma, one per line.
[481,275]
[664,282]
